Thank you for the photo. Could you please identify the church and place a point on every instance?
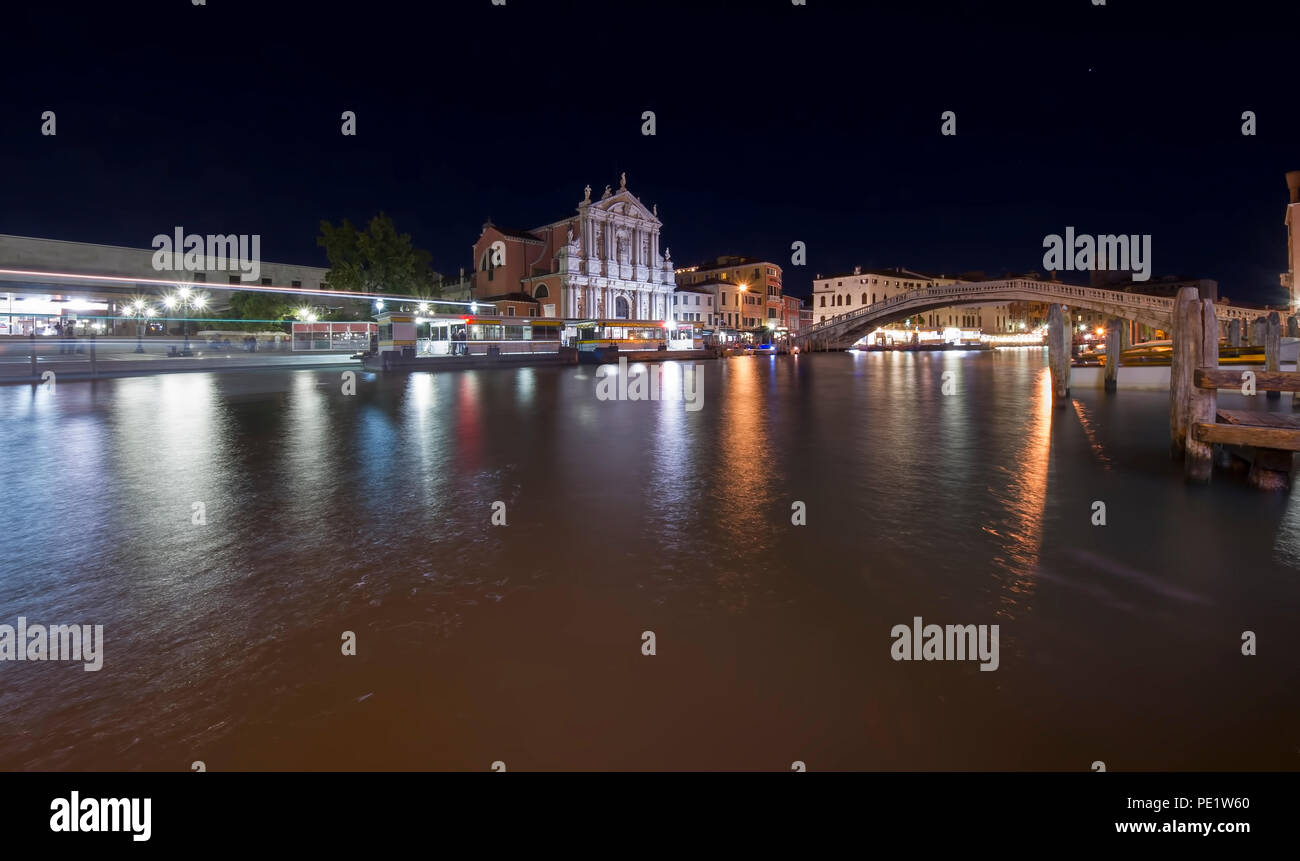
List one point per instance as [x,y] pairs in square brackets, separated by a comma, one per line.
[602,263]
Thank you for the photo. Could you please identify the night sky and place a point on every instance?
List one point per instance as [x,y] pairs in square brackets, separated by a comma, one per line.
[776,123]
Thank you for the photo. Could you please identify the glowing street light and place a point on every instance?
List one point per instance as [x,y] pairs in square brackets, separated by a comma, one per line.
[138,308]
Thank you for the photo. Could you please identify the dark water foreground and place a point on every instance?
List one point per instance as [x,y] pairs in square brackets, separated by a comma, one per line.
[522,643]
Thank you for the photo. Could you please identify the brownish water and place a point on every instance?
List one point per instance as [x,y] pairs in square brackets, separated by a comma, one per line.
[522,643]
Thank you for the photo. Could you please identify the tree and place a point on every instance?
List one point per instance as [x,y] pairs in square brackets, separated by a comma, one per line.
[377,259]
[261,307]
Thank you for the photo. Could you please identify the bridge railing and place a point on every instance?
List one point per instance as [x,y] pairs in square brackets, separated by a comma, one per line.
[1049,291]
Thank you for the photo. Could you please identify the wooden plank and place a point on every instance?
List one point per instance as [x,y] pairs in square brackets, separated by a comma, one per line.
[1259,437]
[1265,381]
[1259,419]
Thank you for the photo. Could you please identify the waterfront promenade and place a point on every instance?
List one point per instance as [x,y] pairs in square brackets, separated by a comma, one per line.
[116,357]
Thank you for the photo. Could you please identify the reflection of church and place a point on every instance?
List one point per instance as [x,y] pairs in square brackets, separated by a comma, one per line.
[603,263]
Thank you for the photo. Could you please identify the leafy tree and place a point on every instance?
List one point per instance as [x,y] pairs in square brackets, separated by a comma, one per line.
[377,259]
[261,306]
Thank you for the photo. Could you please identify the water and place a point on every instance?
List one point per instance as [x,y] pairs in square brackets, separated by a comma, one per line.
[522,643]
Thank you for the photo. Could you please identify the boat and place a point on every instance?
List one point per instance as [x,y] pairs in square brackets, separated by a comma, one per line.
[1158,354]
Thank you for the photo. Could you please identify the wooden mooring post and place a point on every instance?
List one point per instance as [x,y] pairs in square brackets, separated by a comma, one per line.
[1116,338]
[1234,332]
[1058,354]
[1181,366]
[1200,328]
[1272,348]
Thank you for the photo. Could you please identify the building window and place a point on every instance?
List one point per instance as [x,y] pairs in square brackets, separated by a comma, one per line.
[864,298]
[532,312]
[295,283]
[266,282]
[234,279]
[201,277]
[823,303]
[510,310]
[541,292]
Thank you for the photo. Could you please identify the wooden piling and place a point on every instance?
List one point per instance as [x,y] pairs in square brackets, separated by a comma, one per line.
[1292,326]
[1257,327]
[1202,333]
[1114,348]
[1058,354]
[1181,367]
[1272,348]
[1234,332]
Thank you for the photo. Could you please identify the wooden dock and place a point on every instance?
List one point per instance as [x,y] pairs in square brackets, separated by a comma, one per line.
[1267,440]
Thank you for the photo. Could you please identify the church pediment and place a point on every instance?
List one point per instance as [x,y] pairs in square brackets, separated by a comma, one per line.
[624,203]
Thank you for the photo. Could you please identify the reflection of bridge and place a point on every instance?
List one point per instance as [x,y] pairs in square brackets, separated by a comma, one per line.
[1195,326]
[1154,311]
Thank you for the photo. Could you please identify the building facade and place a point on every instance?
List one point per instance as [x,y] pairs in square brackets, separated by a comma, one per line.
[694,305]
[791,316]
[1292,221]
[840,294]
[760,278]
[604,262]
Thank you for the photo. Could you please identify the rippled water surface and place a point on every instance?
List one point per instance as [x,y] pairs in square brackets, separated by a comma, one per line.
[372,514]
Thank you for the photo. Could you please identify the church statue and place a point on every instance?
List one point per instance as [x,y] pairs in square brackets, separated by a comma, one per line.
[656,210]
[622,182]
[586,194]
[606,194]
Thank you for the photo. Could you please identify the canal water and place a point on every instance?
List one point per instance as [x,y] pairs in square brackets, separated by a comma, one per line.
[324,513]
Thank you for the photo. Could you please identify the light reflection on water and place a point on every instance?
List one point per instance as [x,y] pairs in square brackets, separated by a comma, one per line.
[371,513]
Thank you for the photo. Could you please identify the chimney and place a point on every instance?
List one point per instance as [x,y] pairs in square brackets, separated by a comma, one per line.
[1293,183]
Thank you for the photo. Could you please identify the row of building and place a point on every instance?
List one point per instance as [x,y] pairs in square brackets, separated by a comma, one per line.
[606,261]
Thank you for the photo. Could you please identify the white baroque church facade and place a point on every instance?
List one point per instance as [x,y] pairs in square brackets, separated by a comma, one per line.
[605,262]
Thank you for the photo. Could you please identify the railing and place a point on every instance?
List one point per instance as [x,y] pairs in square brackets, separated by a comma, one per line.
[429,347]
[1049,291]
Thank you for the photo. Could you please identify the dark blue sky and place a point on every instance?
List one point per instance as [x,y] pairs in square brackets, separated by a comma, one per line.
[775,123]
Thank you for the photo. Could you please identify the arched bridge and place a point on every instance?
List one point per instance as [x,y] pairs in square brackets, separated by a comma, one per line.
[1154,311]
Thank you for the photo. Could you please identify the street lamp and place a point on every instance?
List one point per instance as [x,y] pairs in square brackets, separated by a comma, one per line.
[184,299]
[137,308]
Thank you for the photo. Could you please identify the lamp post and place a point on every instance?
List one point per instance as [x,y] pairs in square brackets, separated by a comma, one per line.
[185,299]
[137,309]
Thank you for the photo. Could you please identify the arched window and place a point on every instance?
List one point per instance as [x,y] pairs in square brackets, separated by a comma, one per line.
[621,309]
[864,298]
[541,292]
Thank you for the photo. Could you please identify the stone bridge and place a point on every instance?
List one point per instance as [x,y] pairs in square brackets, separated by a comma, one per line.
[1155,311]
